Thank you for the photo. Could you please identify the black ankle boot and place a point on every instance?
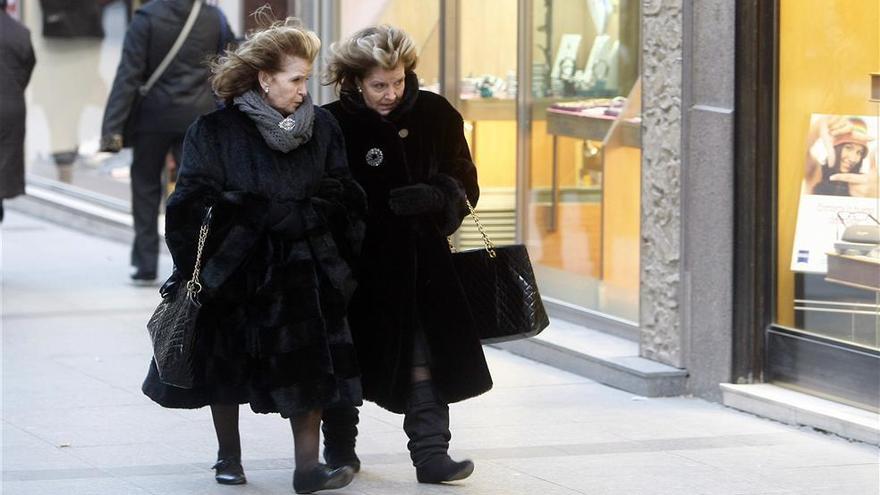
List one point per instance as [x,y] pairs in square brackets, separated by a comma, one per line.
[321,477]
[441,469]
[339,425]
[229,471]
[426,423]
[336,459]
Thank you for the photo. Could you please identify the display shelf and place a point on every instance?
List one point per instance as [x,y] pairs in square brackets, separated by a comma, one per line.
[862,272]
[592,128]
[581,194]
[477,109]
[488,109]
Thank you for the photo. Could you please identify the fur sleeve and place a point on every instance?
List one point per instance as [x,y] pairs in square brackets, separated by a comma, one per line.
[237,218]
[345,215]
[457,176]
[199,184]
[449,218]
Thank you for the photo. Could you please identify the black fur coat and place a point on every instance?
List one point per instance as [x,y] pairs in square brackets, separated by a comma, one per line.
[406,279]
[273,330]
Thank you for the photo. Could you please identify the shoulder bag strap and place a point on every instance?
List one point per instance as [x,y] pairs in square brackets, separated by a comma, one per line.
[193,285]
[178,43]
[489,245]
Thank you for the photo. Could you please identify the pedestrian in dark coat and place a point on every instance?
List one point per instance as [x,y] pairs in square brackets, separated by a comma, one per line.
[416,341]
[16,65]
[272,331]
[182,93]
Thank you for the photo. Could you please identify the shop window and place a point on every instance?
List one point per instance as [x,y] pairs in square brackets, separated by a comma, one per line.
[582,222]
[828,271]
[420,19]
[825,339]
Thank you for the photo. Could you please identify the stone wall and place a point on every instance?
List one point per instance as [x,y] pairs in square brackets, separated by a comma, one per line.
[688,99]
[660,293]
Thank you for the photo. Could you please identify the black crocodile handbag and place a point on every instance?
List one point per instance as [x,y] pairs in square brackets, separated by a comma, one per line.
[172,327]
[501,290]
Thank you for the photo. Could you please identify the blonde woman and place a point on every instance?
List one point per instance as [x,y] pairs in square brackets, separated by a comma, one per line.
[273,330]
[416,342]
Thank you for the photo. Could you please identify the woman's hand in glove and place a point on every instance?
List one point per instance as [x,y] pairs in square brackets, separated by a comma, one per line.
[415,200]
[111,143]
[330,189]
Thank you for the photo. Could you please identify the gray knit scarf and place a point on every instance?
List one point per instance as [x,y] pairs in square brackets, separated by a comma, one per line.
[268,120]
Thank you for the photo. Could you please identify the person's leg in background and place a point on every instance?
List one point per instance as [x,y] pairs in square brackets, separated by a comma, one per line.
[148,162]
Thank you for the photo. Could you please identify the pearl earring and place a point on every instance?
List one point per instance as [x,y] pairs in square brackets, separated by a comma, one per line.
[266,89]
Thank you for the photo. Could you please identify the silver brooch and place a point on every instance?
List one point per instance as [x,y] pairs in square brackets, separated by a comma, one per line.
[374,157]
[287,124]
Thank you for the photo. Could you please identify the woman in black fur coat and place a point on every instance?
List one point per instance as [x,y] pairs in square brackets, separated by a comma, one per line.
[415,339]
[273,330]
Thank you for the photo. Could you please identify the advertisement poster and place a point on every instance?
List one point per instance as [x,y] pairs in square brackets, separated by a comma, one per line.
[840,186]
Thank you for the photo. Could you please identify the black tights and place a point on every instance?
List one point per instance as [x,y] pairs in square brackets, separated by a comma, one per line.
[306,439]
[305,427]
[420,371]
[420,374]
[226,427]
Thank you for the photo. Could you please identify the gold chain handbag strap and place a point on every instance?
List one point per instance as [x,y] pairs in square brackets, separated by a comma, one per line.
[193,286]
[489,245]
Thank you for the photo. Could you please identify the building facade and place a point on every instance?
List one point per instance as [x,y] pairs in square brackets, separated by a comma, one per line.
[676,169]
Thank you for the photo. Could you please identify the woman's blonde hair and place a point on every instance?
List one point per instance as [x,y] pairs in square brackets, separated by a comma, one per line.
[380,46]
[264,49]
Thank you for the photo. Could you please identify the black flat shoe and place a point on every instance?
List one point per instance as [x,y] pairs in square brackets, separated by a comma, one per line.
[229,471]
[321,477]
[442,469]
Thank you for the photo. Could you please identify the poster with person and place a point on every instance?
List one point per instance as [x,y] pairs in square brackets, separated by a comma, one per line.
[840,186]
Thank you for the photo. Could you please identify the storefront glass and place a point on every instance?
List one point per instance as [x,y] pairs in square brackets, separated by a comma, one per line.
[825,336]
[420,19]
[67,93]
[78,45]
[582,173]
[582,221]
[487,101]
[828,259]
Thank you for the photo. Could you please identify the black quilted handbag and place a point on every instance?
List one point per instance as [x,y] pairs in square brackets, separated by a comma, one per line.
[501,290]
[172,327]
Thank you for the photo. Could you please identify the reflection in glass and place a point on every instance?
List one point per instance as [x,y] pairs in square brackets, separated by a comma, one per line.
[77,46]
[827,280]
[420,19]
[583,217]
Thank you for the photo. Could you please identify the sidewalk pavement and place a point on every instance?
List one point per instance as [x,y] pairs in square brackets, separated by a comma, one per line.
[74,352]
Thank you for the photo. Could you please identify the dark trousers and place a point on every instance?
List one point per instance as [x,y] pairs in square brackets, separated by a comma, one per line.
[148,162]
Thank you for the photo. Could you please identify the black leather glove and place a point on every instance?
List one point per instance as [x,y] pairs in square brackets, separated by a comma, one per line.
[171,284]
[111,143]
[330,189]
[415,200]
